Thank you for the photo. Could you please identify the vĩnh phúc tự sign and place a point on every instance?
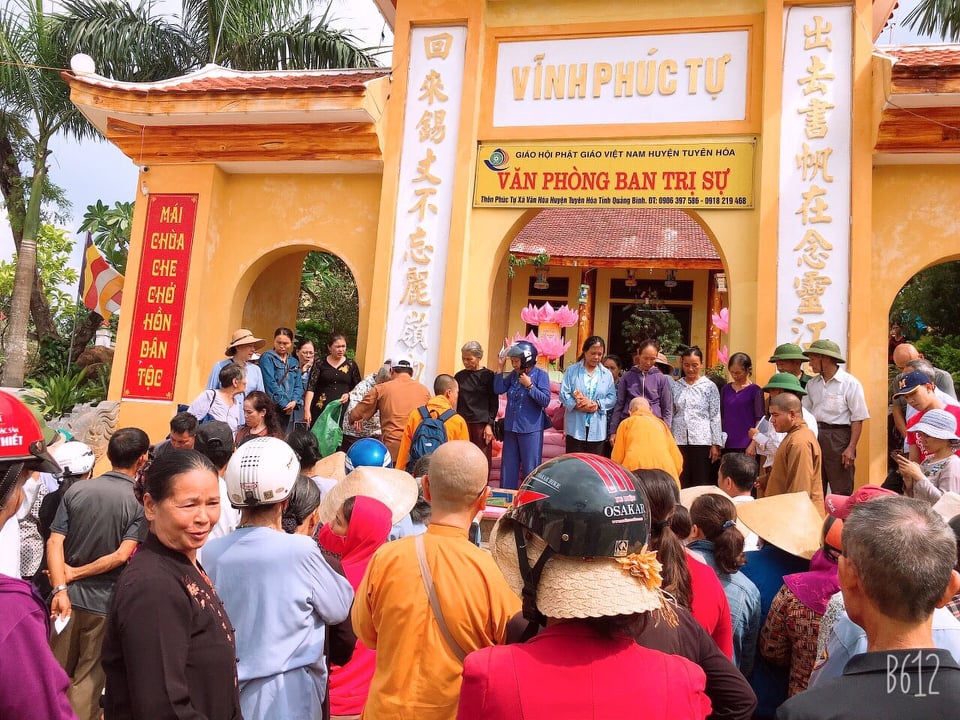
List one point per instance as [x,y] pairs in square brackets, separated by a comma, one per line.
[700,175]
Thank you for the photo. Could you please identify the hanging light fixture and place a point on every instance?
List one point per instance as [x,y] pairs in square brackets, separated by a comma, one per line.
[631,280]
[540,282]
[671,281]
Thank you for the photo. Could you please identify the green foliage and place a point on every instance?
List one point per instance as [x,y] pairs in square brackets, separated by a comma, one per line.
[930,297]
[514,262]
[329,302]
[59,393]
[936,17]
[943,352]
[53,259]
[110,228]
[652,321]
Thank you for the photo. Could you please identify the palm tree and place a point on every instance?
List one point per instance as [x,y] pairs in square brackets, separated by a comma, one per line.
[135,44]
[36,106]
[936,17]
[240,34]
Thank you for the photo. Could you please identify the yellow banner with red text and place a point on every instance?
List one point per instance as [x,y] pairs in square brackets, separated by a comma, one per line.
[669,175]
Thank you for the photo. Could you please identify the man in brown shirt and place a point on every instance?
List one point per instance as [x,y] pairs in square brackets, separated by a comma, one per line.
[796,464]
[395,400]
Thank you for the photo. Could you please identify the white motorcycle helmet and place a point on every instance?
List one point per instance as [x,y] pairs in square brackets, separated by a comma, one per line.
[262,471]
[75,458]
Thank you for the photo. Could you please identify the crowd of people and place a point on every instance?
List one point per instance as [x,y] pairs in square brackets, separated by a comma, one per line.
[698,551]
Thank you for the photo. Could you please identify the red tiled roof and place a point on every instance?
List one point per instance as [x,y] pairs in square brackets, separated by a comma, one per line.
[615,233]
[912,57]
[215,79]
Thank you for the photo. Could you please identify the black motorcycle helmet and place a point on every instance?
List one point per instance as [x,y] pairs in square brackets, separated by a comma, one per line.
[581,506]
[525,351]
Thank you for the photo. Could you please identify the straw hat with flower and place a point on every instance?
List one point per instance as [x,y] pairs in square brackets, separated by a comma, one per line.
[582,524]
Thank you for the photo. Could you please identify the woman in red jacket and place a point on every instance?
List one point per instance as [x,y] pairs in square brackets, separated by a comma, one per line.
[574,546]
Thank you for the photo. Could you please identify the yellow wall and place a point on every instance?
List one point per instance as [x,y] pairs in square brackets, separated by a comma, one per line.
[252,233]
[253,230]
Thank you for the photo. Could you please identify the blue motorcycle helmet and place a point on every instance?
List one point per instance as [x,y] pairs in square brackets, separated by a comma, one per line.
[367,452]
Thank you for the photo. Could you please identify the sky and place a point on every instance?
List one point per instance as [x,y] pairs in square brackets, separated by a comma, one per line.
[96,170]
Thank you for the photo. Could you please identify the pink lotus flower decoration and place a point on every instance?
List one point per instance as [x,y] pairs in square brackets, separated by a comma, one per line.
[722,320]
[562,316]
[551,348]
[723,354]
[529,337]
[533,315]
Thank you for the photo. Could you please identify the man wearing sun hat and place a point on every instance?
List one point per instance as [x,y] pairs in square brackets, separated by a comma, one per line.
[836,399]
[765,443]
[243,345]
[790,358]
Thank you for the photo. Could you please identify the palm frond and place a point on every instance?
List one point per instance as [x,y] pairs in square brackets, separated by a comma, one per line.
[936,17]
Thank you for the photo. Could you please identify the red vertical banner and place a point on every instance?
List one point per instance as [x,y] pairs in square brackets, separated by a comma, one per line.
[160,297]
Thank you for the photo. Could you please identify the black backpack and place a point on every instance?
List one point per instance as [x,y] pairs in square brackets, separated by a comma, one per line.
[430,434]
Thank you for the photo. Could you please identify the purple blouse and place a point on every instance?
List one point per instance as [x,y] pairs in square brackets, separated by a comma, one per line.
[740,411]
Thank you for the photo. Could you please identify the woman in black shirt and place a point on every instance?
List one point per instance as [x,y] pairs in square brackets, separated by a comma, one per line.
[169,650]
[332,378]
[477,403]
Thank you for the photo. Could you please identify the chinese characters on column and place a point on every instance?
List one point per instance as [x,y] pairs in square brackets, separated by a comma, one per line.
[813,274]
[427,165]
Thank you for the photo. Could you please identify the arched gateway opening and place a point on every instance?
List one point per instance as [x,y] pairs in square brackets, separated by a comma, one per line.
[606,264]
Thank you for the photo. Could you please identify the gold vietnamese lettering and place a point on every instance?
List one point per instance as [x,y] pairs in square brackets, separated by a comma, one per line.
[153,349]
[167,241]
[715,74]
[158,321]
[159,295]
[172,214]
[618,78]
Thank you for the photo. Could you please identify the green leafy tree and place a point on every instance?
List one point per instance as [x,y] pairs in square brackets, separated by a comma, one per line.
[135,44]
[329,302]
[928,301]
[939,18]
[127,43]
[110,229]
[36,107]
[652,321]
[53,261]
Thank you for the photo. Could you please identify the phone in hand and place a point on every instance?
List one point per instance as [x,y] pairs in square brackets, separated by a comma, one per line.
[300,426]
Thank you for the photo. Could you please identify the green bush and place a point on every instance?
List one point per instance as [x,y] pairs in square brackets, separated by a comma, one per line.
[943,352]
[59,392]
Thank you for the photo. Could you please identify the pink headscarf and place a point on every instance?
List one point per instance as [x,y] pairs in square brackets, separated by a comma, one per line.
[367,530]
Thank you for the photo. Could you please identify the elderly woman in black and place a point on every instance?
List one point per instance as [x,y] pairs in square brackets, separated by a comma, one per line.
[169,650]
[477,402]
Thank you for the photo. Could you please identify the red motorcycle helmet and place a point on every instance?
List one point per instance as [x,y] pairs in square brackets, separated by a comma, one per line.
[21,439]
[21,444]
